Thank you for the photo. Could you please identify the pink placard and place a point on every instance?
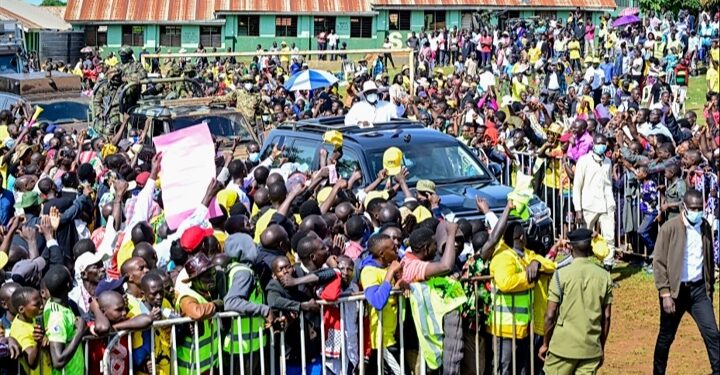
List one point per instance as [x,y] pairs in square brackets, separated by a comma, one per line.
[188,165]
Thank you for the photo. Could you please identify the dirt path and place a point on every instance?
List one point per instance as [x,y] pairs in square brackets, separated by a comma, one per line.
[635,325]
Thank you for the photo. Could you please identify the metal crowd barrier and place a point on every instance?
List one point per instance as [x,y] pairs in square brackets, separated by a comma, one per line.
[281,366]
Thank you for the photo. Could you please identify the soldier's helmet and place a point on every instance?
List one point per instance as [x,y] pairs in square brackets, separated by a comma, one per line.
[176,70]
[112,72]
[125,51]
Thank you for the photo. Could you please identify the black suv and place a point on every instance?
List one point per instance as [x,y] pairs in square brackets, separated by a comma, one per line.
[458,174]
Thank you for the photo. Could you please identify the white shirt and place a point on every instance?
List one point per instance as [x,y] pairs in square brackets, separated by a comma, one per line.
[592,185]
[332,40]
[648,129]
[361,111]
[693,255]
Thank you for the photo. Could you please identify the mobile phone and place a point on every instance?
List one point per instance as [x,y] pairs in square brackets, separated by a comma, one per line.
[281,143]
[332,174]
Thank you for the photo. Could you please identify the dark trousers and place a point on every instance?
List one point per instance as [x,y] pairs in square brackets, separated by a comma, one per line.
[692,298]
[504,356]
[648,231]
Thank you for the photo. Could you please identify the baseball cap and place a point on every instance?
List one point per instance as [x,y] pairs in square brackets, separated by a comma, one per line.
[110,284]
[425,186]
[193,236]
[86,260]
[392,160]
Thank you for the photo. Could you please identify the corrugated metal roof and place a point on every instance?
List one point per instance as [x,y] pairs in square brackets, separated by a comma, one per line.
[168,11]
[528,4]
[140,10]
[294,6]
[31,16]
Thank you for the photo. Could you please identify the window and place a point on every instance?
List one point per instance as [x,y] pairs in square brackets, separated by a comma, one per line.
[248,25]
[133,36]
[544,14]
[96,36]
[170,36]
[324,23]
[399,20]
[361,27]
[211,36]
[434,20]
[286,26]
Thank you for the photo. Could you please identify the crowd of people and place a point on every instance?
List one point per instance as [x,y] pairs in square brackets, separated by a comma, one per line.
[595,114]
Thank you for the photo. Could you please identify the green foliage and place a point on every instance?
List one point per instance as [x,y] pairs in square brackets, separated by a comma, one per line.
[53,3]
[673,5]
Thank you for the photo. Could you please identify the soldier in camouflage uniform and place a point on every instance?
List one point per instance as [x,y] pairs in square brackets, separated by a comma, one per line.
[106,104]
[178,89]
[132,72]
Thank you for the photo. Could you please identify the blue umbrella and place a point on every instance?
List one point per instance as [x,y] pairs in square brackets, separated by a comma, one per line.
[310,79]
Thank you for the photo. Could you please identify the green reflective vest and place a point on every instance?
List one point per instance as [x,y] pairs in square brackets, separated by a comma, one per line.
[249,326]
[207,342]
[430,301]
[511,313]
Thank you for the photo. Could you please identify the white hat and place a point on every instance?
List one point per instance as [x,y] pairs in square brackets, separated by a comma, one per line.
[86,260]
[369,86]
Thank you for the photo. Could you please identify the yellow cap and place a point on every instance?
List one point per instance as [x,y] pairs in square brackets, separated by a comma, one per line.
[421,214]
[333,137]
[227,198]
[375,194]
[392,160]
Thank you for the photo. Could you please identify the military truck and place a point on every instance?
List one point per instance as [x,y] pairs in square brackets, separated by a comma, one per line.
[58,94]
[226,123]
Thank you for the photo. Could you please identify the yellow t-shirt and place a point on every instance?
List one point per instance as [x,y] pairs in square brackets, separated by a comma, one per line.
[373,276]
[574,49]
[517,88]
[263,223]
[713,78]
[534,55]
[22,332]
[715,54]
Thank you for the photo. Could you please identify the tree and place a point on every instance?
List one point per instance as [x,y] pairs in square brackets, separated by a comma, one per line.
[53,3]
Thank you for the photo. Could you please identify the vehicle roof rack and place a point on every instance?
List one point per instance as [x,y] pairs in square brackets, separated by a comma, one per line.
[338,123]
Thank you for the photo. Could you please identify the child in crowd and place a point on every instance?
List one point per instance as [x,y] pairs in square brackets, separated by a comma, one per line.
[63,329]
[673,192]
[153,287]
[27,330]
[378,274]
[342,286]
[648,207]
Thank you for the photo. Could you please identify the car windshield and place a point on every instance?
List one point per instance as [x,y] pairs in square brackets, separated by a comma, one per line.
[221,126]
[63,112]
[441,163]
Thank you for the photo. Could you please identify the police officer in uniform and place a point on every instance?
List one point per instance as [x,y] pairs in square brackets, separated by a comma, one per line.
[106,104]
[577,319]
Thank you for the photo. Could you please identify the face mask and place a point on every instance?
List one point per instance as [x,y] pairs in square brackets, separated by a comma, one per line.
[254,157]
[372,98]
[248,86]
[599,149]
[693,217]
[266,118]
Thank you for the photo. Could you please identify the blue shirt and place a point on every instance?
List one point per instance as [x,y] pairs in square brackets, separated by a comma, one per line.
[7,206]
[648,197]
[608,69]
